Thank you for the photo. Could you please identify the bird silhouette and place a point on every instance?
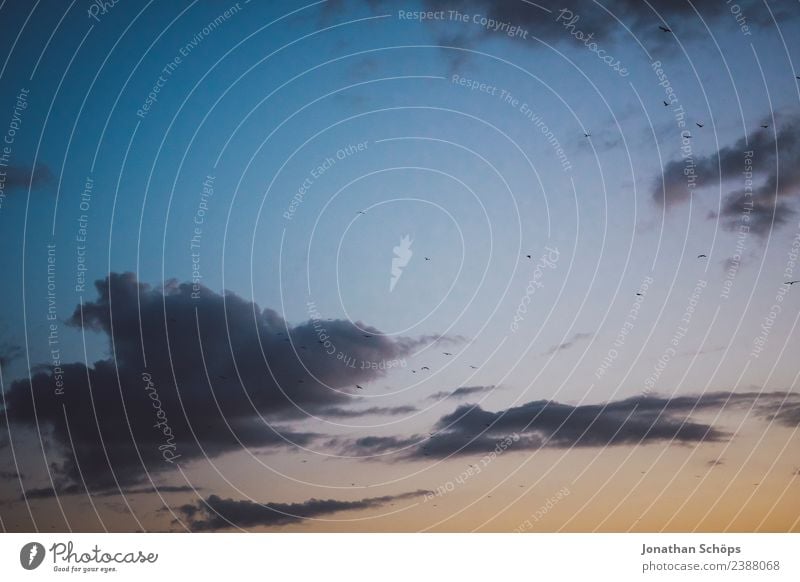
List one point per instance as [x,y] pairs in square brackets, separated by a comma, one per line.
[359,387]
[424,368]
[664,28]
[698,124]
[447,353]
[765,126]
[473,367]
[361,212]
[702,257]
[639,294]
[666,104]
[427,258]
[792,282]
[587,134]
[529,256]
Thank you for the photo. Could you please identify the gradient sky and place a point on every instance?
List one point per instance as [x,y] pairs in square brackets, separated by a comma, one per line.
[302,392]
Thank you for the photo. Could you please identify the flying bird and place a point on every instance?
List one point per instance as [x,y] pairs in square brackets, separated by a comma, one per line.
[587,134]
[529,256]
[447,353]
[361,212]
[792,282]
[666,104]
[698,124]
[765,126]
[424,368]
[702,257]
[359,387]
[427,258]
[664,28]
[640,294]
[473,367]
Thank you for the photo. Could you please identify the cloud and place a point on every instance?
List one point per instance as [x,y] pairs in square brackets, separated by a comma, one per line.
[190,376]
[786,414]
[461,392]
[569,343]
[339,412]
[74,489]
[19,177]
[216,513]
[547,424]
[770,200]
[9,353]
[643,18]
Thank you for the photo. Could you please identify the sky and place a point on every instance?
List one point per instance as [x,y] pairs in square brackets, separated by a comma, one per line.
[360,265]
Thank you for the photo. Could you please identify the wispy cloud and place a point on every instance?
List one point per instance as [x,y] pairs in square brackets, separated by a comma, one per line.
[215,513]
[774,159]
[547,424]
[569,343]
[462,392]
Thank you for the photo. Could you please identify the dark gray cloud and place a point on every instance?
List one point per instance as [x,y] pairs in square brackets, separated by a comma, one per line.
[772,197]
[461,392]
[9,353]
[637,420]
[643,18]
[74,489]
[17,177]
[569,343]
[215,513]
[222,374]
[341,412]
[787,414]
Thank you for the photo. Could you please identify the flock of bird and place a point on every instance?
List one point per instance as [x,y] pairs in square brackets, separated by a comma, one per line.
[666,103]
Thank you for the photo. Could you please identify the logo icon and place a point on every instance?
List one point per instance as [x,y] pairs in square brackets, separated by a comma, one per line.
[402,256]
[31,555]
